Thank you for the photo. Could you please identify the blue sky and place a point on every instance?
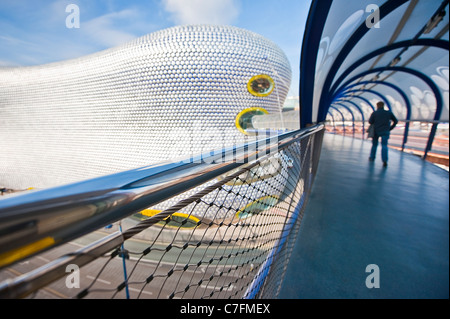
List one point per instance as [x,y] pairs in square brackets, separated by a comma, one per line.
[35,32]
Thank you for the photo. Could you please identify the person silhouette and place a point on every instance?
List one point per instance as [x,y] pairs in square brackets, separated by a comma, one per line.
[383,121]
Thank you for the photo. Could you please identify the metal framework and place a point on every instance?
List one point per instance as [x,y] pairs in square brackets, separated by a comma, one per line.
[188,250]
[366,63]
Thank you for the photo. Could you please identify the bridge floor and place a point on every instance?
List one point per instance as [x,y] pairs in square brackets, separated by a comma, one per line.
[359,214]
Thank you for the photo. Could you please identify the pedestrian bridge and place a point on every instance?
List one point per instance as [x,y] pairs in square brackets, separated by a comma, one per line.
[297,213]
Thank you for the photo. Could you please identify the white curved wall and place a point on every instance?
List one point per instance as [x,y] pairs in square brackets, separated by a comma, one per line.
[168,95]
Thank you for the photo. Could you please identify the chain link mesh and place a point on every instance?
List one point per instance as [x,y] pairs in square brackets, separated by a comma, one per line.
[230,238]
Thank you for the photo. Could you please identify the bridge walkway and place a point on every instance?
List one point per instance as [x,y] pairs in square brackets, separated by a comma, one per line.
[361,214]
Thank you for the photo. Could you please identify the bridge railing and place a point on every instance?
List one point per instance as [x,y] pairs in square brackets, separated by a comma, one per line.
[220,225]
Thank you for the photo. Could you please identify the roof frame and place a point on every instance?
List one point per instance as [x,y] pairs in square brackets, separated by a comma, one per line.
[442,44]
[317,17]
[325,99]
[394,87]
[434,88]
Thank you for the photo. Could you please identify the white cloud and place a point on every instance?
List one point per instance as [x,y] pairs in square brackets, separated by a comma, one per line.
[202,11]
[103,31]
[7,63]
[14,41]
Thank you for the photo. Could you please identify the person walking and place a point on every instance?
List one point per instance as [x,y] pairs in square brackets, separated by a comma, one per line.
[383,122]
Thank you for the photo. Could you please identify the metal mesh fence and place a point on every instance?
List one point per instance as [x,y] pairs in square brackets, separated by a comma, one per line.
[230,238]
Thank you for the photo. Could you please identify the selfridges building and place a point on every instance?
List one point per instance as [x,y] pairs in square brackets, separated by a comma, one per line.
[170,95]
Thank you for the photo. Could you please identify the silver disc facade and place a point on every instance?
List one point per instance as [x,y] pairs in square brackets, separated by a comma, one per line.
[169,95]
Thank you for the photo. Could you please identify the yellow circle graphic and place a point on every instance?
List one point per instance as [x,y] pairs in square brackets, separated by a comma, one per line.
[258,206]
[244,118]
[177,220]
[261,85]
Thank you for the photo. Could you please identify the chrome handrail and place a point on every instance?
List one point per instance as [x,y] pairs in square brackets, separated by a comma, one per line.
[37,221]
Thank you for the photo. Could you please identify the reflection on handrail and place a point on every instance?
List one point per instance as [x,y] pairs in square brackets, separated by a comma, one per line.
[44,219]
[36,221]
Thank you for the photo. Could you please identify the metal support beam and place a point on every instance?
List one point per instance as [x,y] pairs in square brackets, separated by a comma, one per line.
[325,98]
[381,96]
[342,115]
[430,139]
[353,116]
[420,75]
[317,17]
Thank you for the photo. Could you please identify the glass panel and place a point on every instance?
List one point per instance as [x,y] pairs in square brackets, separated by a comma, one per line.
[261,85]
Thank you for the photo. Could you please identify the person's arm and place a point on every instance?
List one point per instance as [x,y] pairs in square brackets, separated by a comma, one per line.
[371,119]
[394,121]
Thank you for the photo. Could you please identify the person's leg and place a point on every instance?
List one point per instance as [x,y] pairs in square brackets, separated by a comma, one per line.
[373,151]
[384,148]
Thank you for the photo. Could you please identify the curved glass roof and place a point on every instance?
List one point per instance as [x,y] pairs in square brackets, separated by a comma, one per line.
[357,53]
